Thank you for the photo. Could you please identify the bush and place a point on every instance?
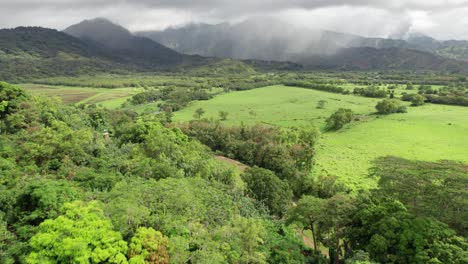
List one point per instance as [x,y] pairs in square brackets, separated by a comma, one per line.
[390,106]
[372,91]
[340,118]
[417,100]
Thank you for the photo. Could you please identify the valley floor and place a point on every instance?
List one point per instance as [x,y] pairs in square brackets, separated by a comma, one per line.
[429,132]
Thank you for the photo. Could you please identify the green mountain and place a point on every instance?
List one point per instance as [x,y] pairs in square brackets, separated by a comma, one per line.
[86,48]
[138,51]
[33,52]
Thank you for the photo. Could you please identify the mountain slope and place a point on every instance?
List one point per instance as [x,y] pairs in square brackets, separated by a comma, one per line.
[33,52]
[99,46]
[383,59]
[131,49]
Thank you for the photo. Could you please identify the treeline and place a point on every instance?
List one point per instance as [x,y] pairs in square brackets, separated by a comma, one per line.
[370,91]
[172,99]
[316,86]
[449,95]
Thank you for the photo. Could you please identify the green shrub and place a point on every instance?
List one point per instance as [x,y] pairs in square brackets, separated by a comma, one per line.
[340,118]
[390,106]
[417,100]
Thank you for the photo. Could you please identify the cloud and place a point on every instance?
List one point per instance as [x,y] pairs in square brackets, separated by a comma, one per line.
[365,21]
[366,17]
[241,5]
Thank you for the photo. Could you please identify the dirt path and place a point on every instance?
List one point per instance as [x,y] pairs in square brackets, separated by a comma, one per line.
[241,166]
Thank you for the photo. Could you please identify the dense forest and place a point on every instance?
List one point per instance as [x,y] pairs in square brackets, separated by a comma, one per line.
[87,184]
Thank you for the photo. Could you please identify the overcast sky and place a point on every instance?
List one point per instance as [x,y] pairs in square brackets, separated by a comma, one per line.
[443,19]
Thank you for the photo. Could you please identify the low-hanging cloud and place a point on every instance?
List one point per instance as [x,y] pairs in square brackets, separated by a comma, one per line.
[440,18]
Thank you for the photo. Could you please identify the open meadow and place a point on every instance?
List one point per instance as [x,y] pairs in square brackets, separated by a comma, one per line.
[430,132]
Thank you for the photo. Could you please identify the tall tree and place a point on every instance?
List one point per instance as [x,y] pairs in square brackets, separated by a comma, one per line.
[308,212]
[386,230]
[264,186]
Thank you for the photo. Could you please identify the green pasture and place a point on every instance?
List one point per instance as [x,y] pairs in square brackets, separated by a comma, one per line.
[429,132]
[279,105]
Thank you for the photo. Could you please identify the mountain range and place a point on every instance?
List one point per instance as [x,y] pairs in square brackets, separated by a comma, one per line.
[270,39]
[99,45]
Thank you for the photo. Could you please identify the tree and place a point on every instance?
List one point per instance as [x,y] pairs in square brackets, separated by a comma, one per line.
[82,234]
[199,113]
[384,229]
[417,100]
[390,106]
[264,186]
[246,236]
[338,119]
[148,246]
[223,115]
[10,97]
[308,212]
[409,86]
[430,189]
[336,213]
[321,104]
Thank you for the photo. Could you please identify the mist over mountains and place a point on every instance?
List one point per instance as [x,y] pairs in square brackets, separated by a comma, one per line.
[99,45]
[270,39]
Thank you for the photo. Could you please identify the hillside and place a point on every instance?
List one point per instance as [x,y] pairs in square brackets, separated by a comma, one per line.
[134,50]
[95,46]
[383,59]
[32,52]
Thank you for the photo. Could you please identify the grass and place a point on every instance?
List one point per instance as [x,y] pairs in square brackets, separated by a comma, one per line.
[430,132]
[111,98]
[279,105]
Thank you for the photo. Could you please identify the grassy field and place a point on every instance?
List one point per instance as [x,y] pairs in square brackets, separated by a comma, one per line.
[111,98]
[278,105]
[429,132]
